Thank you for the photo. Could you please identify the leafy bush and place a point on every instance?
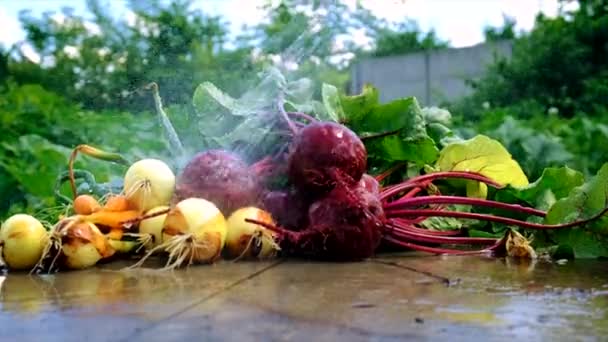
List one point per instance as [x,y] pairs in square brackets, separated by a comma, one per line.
[560,64]
[40,128]
[545,139]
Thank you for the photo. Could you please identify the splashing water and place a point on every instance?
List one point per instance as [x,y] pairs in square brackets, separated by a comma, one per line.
[245,123]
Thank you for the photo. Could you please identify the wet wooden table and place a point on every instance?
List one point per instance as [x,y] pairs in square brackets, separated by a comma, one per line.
[397,297]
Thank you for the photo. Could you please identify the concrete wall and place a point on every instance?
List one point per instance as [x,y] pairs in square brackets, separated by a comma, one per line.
[430,76]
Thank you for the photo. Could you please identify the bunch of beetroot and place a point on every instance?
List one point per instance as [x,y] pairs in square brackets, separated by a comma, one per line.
[332,210]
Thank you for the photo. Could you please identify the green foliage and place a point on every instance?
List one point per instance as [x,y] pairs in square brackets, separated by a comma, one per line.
[583,202]
[40,129]
[560,64]
[544,140]
[405,38]
[392,132]
[103,63]
[505,32]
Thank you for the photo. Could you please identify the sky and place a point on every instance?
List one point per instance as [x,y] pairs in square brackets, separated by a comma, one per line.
[459,21]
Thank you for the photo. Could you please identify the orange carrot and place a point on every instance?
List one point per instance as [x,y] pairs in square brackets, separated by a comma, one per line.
[112,220]
[116,203]
[86,205]
[115,234]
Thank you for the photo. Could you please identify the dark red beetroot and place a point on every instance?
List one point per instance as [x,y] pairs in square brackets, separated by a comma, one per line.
[345,225]
[322,152]
[370,184]
[221,177]
[287,208]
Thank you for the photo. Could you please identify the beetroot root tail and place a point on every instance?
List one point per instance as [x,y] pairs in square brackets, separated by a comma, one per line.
[421,237]
[435,250]
[279,230]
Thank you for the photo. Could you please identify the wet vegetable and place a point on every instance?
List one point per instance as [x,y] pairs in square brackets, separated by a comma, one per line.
[193,232]
[149,183]
[221,177]
[22,239]
[250,240]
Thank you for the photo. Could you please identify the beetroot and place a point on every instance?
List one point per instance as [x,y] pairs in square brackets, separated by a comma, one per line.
[370,184]
[320,153]
[221,177]
[345,225]
[288,208]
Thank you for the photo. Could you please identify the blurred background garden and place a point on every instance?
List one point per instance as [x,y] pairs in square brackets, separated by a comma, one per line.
[77,74]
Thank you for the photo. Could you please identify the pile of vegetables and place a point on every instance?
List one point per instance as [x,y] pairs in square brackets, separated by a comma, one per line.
[343,179]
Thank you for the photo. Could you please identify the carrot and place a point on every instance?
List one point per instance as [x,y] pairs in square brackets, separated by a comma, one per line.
[86,205]
[113,219]
[116,203]
[115,234]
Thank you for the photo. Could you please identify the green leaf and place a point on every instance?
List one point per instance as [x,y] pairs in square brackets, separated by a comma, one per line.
[358,106]
[437,115]
[420,150]
[484,234]
[402,114]
[583,202]
[483,155]
[208,97]
[331,101]
[583,243]
[553,184]
[447,223]
[408,139]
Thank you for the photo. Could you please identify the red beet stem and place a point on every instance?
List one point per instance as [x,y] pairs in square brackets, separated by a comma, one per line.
[412,193]
[262,165]
[292,126]
[486,217]
[282,231]
[379,135]
[411,235]
[389,172]
[410,202]
[436,250]
[301,115]
[395,189]
[455,174]
[407,224]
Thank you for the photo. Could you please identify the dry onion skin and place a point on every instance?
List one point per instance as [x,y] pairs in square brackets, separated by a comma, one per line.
[149,183]
[250,240]
[194,232]
[23,240]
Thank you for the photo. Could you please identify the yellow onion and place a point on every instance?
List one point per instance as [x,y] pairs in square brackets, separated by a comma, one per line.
[245,239]
[23,240]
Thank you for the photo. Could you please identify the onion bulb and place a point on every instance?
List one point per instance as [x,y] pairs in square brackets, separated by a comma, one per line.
[76,244]
[23,240]
[193,232]
[149,183]
[83,245]
[151,229]
[246,239]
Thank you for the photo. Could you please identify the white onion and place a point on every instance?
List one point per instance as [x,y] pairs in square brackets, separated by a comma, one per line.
[149,183]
